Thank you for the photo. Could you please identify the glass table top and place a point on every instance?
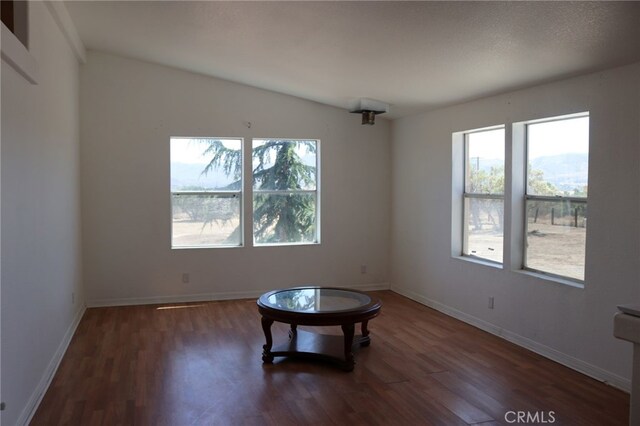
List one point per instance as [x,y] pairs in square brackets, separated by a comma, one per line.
[316,300]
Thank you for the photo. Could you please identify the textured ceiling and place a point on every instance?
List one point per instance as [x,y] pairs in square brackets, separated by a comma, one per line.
[412,55]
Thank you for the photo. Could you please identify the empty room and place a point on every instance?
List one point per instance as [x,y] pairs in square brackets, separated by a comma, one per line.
[320,212]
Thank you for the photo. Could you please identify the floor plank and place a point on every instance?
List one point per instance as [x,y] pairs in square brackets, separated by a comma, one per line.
[200,364]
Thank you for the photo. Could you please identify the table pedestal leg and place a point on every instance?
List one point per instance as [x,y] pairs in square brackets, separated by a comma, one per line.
[365,340]
[266,349]
[348,330]
[293,331]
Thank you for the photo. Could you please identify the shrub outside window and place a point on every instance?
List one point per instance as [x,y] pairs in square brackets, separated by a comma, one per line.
[556,195]
[484,194]
[206,192]
[285,191]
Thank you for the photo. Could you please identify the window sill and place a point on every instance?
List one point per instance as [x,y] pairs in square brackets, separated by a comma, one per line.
[285,244]
[552,278]
[479,261]
[204,247]
[18,57]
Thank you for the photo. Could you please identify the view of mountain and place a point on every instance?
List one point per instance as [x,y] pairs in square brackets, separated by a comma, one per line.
[189,175]
[565,171]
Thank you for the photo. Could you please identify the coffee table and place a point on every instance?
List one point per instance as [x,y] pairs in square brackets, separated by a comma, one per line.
[317,306]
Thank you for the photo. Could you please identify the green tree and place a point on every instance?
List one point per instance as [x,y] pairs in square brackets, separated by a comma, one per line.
[230,160]
[194,208]
[486,182]
[538,185]
[277,217]
[492,182]
[289,217]
[210,209]
[579,192]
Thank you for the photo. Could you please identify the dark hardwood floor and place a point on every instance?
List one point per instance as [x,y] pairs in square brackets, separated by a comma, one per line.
[200,364]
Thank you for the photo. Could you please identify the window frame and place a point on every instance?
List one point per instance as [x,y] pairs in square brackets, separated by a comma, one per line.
[476,195]
[317,192]
[15,50]
[239,194]
[549,198]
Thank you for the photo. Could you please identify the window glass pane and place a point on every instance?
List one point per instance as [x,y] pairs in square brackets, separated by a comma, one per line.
[558,156]
[484,222]
[556,236]
[285,191]
[284,218]
[284,164]
[206,220]
[484,169]
[206,164]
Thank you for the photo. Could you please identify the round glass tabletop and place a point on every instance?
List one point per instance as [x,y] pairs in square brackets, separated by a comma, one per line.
[312,299]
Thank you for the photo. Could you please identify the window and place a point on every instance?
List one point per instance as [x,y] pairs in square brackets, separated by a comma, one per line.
[556,195]
[483,196]
[15,39]
[286,203]
[206,192]
[7,15]
[545,202]
[14,15]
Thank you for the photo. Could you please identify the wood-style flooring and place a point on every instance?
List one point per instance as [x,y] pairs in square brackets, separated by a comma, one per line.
[200,364]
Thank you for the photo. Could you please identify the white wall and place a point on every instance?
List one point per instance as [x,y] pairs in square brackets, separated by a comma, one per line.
[41,258]
[572,325]
[130,109]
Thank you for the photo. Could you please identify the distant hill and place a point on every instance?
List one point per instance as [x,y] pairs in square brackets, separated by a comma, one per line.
[565,171]
[485,164]
[190,175]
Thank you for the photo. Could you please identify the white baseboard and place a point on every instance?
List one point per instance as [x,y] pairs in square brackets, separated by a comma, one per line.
[38,393]
[182,298]
[583,367]
[370,287]
[206,297]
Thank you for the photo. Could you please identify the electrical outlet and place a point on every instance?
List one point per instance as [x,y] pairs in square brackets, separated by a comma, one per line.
[185,278]
[490,302]
[2,406]
[363,269]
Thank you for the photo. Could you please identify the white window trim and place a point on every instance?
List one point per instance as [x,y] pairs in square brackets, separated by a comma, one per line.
[226,193]
[563,279]
[15,54]
[317,192]
[461,251]
[514,196]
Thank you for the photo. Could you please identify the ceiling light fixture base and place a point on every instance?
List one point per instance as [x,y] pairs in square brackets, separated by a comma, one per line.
[369,108]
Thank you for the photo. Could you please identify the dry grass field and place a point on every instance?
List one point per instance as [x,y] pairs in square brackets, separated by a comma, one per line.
[558,249]
[187,233]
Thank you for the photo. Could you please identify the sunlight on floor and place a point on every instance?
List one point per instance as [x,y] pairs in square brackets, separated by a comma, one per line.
[161,308]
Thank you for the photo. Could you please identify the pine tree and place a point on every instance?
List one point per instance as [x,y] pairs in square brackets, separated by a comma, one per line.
[280,214]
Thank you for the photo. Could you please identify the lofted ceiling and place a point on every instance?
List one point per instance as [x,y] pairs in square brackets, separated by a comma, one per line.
[413,55]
